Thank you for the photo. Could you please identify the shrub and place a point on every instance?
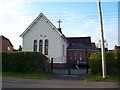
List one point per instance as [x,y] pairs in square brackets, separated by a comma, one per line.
[24,62]
[95,63]
[111,63]
[118,62]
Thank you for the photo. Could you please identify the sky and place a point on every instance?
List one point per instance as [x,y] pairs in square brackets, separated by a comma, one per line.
[79,18]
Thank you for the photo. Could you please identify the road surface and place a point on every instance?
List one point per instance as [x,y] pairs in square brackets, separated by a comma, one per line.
[54,83]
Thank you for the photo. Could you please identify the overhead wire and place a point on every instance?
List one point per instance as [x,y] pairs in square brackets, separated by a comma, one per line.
[75,17]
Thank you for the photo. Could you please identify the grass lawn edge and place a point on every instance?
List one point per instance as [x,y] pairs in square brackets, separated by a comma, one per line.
[110,78]
[41,75]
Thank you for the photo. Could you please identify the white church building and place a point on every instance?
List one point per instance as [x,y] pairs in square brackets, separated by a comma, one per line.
[42,36]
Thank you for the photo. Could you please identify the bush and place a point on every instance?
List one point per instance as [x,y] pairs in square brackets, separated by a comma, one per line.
[95,63]
[111,63]
[24,62]
[118,62]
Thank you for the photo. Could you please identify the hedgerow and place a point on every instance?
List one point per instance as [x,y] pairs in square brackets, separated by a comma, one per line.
[95,63]
[25,62]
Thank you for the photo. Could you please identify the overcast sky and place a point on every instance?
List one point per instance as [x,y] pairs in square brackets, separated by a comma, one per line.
[79,19]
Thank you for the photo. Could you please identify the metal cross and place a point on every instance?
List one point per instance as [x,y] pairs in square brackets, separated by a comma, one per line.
[59,22]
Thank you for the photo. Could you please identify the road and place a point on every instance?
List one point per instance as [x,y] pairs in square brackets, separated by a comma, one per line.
[54,83]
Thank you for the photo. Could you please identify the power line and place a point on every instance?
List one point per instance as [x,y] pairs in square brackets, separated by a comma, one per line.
[75,17]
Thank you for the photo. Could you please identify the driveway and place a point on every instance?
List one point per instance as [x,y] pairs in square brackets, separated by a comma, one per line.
[72,71]
[54,83]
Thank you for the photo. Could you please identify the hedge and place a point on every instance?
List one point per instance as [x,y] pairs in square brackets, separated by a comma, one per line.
[25,62]
[111,63]
[118,59]
[95,63]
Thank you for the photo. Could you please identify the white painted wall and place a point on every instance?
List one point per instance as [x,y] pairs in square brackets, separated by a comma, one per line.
[63,50]
[56,42]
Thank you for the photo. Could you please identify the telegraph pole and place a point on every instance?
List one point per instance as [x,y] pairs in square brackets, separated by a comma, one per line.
[102,41]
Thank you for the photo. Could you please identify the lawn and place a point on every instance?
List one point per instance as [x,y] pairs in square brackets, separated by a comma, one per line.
[111,78]
[39,75]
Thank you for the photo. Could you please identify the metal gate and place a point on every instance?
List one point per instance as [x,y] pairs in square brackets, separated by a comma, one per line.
[68,68]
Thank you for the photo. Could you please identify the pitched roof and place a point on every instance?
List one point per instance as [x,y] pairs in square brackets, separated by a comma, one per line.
[38,17]
[79,42]
[2,37]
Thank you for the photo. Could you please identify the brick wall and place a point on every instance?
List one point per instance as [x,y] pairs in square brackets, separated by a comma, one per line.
[5,45]
[78,55]
[59,66]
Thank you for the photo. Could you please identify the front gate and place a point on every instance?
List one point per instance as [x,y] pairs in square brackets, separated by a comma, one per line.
[68,68]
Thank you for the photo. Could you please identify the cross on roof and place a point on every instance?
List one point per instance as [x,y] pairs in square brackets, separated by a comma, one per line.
[59,22]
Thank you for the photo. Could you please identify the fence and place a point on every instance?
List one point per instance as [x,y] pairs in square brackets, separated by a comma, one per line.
[66,67]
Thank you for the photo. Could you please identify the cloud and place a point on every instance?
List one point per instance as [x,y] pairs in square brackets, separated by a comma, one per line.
[90,27]
[71,16]
[111,33]
[69,0]
[14,19]
[13,29]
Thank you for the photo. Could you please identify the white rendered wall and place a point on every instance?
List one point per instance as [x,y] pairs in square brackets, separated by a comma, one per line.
[42,30]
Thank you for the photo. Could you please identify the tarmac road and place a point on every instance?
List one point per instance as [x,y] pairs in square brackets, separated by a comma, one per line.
[54,83]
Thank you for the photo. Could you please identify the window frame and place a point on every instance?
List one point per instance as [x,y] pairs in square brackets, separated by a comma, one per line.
[41,45]
[35,45]
[46,46]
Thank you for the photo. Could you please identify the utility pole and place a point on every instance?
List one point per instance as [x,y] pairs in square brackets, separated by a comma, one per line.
[102,41]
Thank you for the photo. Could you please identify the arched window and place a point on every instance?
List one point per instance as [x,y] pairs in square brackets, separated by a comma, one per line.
[35,46]
[40,46]
[46,47]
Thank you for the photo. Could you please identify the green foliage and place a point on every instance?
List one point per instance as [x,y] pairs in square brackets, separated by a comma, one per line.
[111,63]
[39,75]
[24,62]
[118,62]
[95,63]
[118,55]
[96,77]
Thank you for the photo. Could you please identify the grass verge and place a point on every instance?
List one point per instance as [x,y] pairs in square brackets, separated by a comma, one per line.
[111,78]
[39,75]
[0,74]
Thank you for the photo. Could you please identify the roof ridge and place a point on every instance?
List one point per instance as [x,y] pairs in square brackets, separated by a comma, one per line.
[6,39]
[80,37]
[35,20]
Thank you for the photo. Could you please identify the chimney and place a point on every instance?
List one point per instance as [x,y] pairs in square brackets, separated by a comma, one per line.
[59,29]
